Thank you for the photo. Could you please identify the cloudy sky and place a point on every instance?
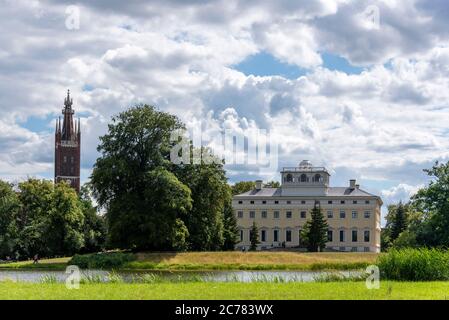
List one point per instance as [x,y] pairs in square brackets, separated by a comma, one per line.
[360,87]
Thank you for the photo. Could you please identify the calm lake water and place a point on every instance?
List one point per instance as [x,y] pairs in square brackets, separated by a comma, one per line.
[213,276]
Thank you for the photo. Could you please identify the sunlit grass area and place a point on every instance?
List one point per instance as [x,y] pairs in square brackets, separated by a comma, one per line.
[230,260]
[55,263]
[241,291]
[253,260]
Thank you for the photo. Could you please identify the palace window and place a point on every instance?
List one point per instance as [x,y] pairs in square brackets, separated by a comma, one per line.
[288,215]
[342,214]
[354,202]
[264,214]
[354,214]
[367,214]
[342,201]
[276,214]
[241,235]
[240,201]
[303,201]
[251,202]
[329,235]
[354,235]
[72,159]
[263,235]
[264,202]
[252,214]
[329,202]
[366,201]
[240,214]
[275,235]
[65,159]
[304,178]
[366,249]
[276,202]
[303,214]
[289,178]
[366,235]
[342,235]
[330,214]
[289,202]
[354,249]
[317,178]
[288,235]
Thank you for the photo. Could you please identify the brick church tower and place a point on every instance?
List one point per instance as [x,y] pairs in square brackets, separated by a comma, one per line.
[68,146]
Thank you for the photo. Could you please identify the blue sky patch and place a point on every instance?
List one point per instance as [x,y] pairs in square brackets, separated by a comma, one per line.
[334,62]
[264,64]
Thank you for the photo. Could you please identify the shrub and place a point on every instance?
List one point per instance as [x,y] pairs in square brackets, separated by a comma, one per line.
[414,265]
[108,260]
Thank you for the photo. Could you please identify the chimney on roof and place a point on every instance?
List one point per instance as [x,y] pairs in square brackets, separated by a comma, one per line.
[352,184]
[357,186]
[258,184]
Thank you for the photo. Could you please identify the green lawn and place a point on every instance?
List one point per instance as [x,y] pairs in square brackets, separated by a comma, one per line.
[240,291]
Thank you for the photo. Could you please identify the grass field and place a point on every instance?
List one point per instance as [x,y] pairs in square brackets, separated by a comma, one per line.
[252,261]
[227,261]
[240,291]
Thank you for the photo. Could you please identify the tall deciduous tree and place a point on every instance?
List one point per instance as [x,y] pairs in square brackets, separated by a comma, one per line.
[315,230]
[432,202]
[145,202]
[64,222]
[9,208]
[210,195]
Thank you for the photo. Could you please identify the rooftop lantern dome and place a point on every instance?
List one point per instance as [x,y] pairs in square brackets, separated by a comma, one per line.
[305,164]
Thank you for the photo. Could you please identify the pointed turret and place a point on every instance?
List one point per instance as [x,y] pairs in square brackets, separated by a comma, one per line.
[67,146]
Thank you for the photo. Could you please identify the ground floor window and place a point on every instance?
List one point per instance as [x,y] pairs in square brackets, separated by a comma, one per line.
[329,235]
[366,249]
[342,236]
[275,235]
[241,235]
[288,235]
[354,235]
[366,235]
[263,236]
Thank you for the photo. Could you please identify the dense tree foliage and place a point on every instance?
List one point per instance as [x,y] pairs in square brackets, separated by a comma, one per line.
[39,217]
[152,203]
[242,186]
[399,223]
[432,203]
[314,233]
[424,221]
[210,195]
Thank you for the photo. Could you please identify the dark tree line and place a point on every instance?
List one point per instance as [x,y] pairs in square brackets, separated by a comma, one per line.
[38,217]
[424,220]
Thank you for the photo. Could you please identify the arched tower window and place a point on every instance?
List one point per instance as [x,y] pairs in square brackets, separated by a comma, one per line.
[318,178]
[289,178]
[303,178]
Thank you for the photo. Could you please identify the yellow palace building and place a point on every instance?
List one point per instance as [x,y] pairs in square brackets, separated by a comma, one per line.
[353,215]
